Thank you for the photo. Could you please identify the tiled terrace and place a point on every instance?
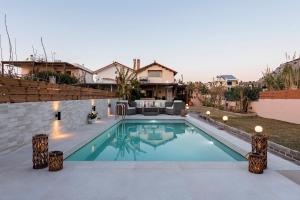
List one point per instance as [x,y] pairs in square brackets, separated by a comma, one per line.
[145,180]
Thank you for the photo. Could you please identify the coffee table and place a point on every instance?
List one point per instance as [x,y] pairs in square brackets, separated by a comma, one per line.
[150,111]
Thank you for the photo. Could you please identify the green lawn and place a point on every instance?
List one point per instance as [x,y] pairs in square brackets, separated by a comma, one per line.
[284,133]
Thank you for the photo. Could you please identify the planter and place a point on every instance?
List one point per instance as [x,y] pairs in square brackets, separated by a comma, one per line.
[56,160]
[259,143]
[40,151]
[92,121]
[256,163]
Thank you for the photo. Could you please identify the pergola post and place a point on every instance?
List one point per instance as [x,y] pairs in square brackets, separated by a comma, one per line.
[64,68]
[2,70]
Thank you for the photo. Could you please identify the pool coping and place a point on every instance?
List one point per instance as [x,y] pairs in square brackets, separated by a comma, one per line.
[237,144]
[185,120]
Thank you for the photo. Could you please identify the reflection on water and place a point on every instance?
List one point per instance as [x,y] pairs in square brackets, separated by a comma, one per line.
[127,138]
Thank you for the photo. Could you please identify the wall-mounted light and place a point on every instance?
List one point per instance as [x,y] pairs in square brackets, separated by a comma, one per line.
[94,108]
[58,115]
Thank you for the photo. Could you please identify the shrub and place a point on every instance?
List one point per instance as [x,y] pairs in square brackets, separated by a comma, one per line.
[60,78]
[92,115]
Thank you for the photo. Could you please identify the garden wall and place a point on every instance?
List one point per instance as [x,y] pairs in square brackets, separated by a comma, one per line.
[16,91]
[280,105]
[19,121]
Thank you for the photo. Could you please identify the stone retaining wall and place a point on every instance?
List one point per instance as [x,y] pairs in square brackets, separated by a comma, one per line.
[20,121]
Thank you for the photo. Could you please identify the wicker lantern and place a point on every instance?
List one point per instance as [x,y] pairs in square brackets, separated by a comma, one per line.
[56,159]
[256,163]
[259,143]
[40,151]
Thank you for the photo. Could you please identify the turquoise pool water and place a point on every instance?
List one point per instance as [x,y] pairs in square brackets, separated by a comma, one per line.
[154,140]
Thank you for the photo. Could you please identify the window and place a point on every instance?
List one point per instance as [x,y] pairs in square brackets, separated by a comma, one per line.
[154,73]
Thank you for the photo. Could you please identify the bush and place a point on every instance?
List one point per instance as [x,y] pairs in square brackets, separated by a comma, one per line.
[60,78]
[208,103]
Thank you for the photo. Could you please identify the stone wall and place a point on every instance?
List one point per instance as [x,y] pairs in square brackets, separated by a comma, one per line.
[19,121]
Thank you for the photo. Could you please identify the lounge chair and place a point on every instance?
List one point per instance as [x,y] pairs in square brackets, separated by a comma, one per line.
[176,108]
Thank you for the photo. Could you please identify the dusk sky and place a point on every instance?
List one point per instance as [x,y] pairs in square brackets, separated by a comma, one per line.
[199,39]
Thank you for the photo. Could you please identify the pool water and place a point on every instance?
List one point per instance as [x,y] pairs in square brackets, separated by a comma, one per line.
[154,140]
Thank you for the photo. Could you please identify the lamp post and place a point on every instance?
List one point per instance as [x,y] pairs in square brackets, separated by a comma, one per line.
[207,115]
[225,118]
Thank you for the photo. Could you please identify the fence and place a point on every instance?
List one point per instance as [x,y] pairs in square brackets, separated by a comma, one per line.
[281,94]
[16,91]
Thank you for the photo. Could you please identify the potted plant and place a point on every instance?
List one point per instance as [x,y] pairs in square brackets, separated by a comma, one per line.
[92,117]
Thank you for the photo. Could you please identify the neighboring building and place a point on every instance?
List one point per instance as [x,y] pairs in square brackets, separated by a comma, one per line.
[228,81]
[108,73]
[83,74]
[105,77]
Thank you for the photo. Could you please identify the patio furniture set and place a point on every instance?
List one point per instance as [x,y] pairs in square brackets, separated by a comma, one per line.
[153,107]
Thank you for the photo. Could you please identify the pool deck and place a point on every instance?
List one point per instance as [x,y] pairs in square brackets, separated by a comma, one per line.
[145,180]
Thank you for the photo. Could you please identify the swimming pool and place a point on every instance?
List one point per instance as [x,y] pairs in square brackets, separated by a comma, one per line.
[154,140]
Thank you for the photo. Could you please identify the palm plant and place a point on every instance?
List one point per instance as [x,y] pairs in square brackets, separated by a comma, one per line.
[190,87]
[125,79]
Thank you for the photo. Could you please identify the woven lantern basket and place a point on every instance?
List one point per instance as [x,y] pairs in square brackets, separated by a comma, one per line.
[40,151]
[259,144]
[56,159]
[256,163]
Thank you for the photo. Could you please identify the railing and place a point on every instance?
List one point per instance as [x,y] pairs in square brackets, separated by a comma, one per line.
[120,110]
[16,91]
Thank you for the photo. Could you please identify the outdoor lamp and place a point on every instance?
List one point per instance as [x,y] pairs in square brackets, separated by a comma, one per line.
[258,129]
[58,115]
[208,112]
[94,108]
[225,118]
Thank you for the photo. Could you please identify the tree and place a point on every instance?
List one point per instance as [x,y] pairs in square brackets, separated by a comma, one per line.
[291,77]
[189,87]
[217,93]
[203,89]
[273,81]
[243,95]
[125,79]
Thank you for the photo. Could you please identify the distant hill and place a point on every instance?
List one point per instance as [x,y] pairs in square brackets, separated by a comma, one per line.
[294,63]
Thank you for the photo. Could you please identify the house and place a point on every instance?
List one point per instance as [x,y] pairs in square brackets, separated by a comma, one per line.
[227,81]
[28,67]
[156,80]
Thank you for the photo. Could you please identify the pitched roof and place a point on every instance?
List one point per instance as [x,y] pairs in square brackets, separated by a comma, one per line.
[155,63]
[227,77]
[113,64]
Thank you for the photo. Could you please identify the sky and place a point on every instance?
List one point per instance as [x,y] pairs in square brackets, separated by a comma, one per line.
[199,39]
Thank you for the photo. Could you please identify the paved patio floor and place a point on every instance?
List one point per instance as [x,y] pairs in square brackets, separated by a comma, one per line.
[145,180]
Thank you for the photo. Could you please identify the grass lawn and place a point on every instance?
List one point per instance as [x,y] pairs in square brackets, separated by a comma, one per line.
[284,133]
